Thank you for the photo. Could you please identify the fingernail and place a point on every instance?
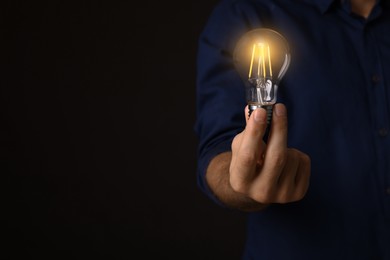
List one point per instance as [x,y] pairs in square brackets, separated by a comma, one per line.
[259,117]
[280,110]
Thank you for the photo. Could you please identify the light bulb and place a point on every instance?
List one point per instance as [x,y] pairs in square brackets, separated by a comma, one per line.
[261,57]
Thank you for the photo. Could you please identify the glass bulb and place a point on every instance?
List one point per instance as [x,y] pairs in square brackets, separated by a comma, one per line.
[261,58]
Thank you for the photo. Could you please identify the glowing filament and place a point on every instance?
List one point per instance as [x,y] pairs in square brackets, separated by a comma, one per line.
[262,57]
[253,56]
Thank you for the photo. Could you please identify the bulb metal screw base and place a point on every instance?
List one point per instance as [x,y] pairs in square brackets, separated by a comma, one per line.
[268,108]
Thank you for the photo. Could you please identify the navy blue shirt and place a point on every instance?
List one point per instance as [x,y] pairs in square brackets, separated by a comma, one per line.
[337,93]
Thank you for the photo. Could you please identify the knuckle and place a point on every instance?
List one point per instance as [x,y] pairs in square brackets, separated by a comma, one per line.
[237,183]
[306,159]
[236,141]
[294,154]
[237,186]
[300,193]
[284,197]
[279,158]
[264,195]
[248,159]
[299,196]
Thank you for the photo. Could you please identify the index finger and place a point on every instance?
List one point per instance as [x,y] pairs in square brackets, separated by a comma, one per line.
[277,141]
[251,144]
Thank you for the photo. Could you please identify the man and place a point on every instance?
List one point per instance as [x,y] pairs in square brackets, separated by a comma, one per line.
[318,185]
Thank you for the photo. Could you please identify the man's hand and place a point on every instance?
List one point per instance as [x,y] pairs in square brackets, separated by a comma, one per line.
[272,172]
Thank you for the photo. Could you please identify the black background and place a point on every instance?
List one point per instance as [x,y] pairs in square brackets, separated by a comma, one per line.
[98,152]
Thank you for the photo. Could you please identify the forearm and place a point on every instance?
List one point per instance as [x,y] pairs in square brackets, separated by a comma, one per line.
[217,177]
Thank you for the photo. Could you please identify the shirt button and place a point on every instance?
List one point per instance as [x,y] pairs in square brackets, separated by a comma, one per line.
[375,78]
[383,132]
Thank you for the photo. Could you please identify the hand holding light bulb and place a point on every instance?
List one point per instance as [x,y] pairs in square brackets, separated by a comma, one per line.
[265,172]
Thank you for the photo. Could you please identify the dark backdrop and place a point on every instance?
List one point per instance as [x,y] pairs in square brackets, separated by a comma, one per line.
[98,153]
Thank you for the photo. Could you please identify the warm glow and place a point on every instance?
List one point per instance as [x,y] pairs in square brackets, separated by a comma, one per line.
[262,57]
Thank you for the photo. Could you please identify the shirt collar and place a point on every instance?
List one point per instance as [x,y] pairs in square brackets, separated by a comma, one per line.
[322,5]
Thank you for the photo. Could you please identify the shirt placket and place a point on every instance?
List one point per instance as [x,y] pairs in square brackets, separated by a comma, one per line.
[380,115]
